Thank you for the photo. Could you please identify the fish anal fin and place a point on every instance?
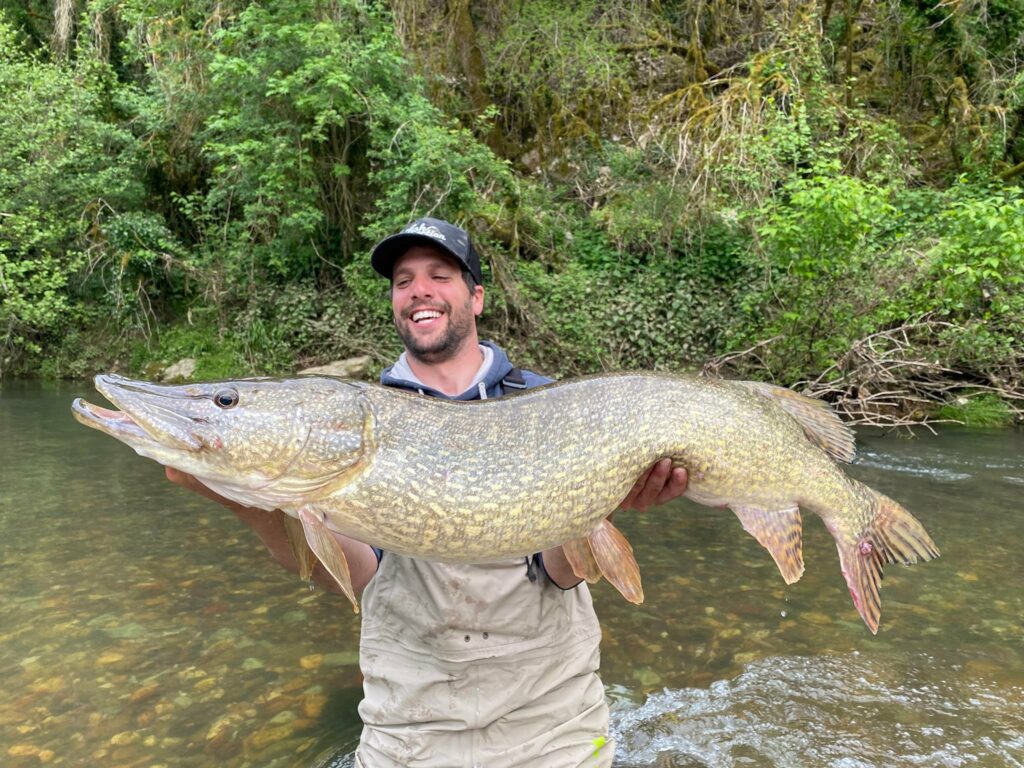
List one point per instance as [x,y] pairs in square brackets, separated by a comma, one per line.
[329,552]
[304,556]
[614,556]
[819,422]
[580,555]
[780,531]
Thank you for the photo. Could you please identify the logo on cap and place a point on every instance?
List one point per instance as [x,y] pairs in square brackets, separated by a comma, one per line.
[419,228]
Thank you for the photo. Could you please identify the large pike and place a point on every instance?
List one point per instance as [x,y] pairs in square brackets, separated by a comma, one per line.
[473,482]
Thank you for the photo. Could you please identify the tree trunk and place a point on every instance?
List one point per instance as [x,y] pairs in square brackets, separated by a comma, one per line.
[471,60]
[63,24]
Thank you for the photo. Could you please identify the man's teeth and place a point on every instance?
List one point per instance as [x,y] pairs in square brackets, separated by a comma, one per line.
[425,314]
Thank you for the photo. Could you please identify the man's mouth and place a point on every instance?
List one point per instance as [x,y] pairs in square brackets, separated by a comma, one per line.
[425,315]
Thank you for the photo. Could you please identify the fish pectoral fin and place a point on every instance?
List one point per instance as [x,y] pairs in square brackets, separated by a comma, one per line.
[780,531]
[329,552]
[304,556]
[614,556]
[580,555]
[819,422]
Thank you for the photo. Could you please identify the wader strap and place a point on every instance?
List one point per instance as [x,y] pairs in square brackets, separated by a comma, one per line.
[514,380]
[533,564]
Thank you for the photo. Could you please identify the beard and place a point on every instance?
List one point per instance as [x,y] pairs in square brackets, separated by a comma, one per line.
[447,345]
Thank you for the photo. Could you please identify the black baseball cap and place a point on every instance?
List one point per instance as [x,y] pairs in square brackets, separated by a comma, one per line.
[426,231]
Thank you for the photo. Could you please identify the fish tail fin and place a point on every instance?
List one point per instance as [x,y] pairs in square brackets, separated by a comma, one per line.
[892,535]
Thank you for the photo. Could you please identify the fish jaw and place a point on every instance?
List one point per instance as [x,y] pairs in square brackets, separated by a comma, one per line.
[114,423]
[143,416]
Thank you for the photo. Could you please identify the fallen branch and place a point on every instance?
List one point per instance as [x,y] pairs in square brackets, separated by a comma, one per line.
[887,378]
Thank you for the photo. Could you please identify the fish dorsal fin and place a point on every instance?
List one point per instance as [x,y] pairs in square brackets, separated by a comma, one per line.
[328,551]
[580,555]
[818,420]
[614,556]
[780,532]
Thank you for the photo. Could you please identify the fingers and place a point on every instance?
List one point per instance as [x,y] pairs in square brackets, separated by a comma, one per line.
[630,501]
[674,487]
[186,480]
[654,485]
[178,477]
[659,484]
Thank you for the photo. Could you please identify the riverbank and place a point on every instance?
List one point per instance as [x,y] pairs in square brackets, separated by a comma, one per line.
[725,187]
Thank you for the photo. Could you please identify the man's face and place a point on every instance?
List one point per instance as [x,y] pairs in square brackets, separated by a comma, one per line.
[435,312]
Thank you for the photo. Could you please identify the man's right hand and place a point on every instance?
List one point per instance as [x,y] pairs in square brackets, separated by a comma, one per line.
[269,526]
[185,480]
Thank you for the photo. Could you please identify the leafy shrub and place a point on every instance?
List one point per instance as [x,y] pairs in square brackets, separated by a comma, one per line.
[829,247]
[63,171]
[979,261]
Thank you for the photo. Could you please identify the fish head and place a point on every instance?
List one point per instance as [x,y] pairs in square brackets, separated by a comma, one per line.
[261,442]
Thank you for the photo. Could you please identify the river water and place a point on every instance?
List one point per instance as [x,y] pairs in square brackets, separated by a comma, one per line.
[144,626]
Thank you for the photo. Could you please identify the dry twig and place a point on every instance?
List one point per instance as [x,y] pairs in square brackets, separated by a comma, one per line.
[886,379]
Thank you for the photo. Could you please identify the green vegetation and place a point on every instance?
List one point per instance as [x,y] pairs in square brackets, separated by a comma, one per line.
[982,411]
[821,194]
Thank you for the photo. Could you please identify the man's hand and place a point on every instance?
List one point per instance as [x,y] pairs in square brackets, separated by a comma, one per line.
[178,477]
[659,484]
[269,526]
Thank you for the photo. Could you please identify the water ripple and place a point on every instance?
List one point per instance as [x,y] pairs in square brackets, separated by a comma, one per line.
[838,711]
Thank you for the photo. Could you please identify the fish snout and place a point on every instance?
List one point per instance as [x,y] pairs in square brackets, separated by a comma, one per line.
[155,409]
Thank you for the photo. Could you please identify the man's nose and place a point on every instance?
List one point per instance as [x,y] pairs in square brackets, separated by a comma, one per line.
[420,286]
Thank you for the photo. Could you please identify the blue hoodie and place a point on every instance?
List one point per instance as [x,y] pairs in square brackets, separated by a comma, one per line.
[495,382]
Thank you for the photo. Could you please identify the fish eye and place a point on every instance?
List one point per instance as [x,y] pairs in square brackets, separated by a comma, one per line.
[226,398]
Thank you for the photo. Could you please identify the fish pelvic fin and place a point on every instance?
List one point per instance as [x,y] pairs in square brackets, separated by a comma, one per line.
[329,552]
[580,555]
[819,422]
[614,556]
[892,536]
[304,556]
[780,531]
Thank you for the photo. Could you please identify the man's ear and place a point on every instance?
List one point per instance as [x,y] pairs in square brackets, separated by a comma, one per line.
[478,300]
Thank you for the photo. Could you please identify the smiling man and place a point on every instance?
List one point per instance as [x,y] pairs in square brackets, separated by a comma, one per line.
[467,665]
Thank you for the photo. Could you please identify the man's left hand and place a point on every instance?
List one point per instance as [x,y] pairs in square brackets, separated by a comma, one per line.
[659,484]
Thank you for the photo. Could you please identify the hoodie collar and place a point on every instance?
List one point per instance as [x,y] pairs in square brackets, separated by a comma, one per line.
[493,369]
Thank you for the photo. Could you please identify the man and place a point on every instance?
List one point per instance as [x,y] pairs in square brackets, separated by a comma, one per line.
[483,665]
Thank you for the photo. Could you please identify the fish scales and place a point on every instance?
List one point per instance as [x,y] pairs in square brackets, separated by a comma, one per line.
[474,482]
[532,457]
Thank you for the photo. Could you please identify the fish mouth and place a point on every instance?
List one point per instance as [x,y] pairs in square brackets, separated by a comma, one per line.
[114,423]
[144,415]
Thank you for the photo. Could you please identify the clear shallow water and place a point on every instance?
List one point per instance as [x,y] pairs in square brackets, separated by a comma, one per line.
[144,626]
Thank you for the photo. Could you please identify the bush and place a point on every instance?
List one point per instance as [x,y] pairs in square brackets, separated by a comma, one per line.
[64,171]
